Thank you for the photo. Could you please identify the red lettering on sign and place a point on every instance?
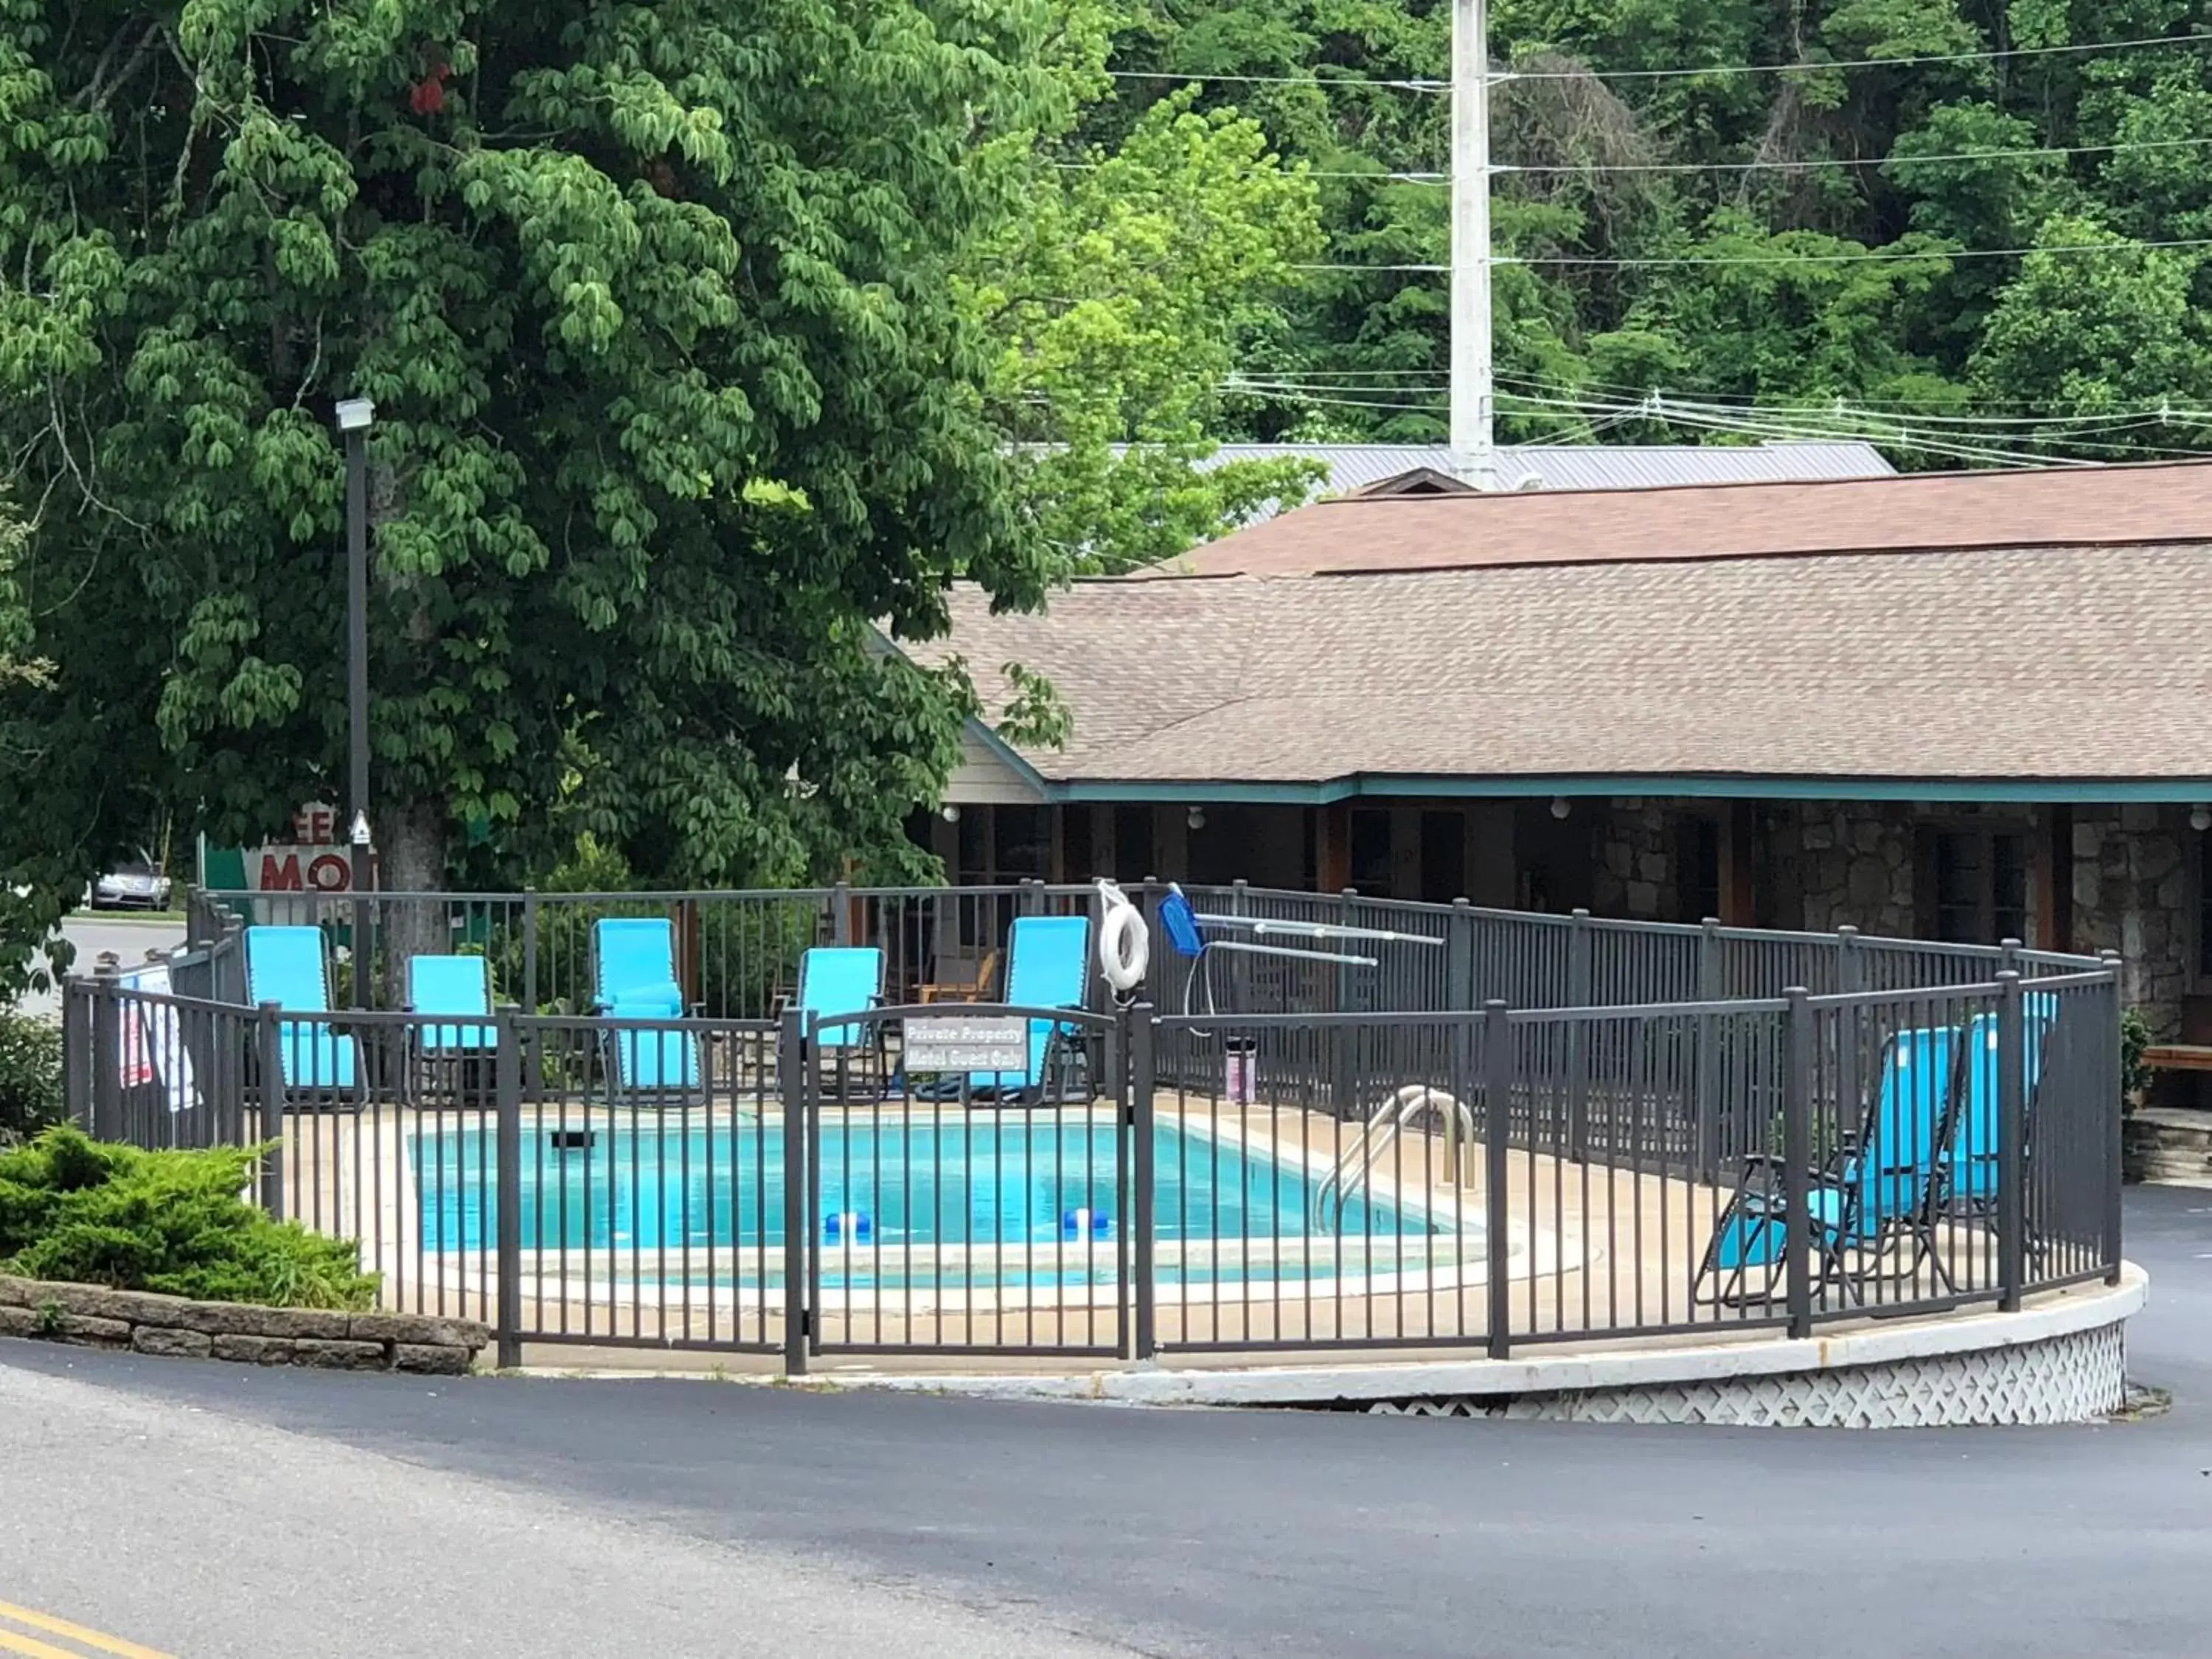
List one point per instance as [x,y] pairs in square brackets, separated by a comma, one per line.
[330,874]
[280,875]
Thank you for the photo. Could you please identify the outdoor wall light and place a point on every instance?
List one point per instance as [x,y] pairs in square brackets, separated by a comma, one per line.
[950,811]
[1196,818]
[2200,818]
[355,414]
[1560,807]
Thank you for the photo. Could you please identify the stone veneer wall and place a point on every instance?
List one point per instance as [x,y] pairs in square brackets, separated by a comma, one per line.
[1636,857]
[2134,893]
[92,1316]
[1845,863]
[1824,864]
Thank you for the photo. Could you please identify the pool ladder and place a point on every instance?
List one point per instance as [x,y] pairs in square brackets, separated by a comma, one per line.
[1389,1120]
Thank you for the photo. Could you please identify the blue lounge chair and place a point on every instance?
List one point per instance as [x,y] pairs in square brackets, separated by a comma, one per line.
[633,977]
[1970,1157]
[840,979]
[843,979]
[460,986]
[1047,966]
[287,966]
[1879,1196]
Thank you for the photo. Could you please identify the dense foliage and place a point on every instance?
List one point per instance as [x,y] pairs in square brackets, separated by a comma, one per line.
[676,403]
[706,341]
[90,1213]
[1736,240]
[30,1075]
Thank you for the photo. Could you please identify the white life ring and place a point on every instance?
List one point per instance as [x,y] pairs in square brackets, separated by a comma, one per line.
[1125,946]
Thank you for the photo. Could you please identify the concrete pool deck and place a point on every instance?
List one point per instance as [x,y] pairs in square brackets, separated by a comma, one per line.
[1603,1261]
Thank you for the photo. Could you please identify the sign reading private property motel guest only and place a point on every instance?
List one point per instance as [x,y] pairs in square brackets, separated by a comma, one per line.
[948,1043]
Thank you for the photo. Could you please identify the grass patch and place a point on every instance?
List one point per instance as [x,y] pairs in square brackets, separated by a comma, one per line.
[88,1213]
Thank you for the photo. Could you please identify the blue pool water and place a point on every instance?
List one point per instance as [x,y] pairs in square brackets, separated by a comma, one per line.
[1021,1195]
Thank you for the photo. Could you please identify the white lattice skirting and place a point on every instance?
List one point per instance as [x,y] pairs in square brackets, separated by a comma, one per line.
[2063,1379]
[2062,1359]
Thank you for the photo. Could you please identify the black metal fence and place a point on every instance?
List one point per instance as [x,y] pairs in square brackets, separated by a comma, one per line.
[1494,1130]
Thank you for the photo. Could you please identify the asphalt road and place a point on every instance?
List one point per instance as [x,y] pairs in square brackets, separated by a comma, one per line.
[129,937]
[207,1510]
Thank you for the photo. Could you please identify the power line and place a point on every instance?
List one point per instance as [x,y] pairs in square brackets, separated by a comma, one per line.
[1863,255]
[1906,62]
[1625,390]
[1292,169]
[1807,164]
[1811,163]
[1858,256]
[1840,424]
[1353,80]
[2164,412]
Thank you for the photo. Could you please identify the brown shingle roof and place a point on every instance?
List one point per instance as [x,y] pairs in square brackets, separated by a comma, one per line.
[2162,501]
[2074,662]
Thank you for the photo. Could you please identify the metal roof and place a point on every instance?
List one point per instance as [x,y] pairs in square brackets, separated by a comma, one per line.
[1580,466]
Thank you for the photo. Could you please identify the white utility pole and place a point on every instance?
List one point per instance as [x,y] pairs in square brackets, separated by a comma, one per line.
[1474,439]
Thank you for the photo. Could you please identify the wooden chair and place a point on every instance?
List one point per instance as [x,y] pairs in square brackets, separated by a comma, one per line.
[975,990]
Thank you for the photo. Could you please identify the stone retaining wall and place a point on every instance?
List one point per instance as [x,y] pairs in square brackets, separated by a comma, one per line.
[92,1316]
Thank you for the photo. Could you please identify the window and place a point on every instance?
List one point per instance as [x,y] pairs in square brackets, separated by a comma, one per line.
[1370,853]
[1133,859]
[1443,857]
[1980,882]
[1697,869]
[1023,849]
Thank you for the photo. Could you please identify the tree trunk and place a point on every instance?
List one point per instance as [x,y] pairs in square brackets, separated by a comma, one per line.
[412,842]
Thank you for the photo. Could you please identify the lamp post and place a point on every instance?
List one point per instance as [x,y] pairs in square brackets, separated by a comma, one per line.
[356,415]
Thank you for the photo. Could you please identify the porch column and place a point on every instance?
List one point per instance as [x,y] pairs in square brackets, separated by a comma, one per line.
[1333,846]
[1739,832]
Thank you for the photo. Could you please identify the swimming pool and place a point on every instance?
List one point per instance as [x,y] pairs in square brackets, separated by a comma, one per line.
[982,1200]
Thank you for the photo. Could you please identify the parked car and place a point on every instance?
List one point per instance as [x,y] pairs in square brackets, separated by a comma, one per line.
[135,883]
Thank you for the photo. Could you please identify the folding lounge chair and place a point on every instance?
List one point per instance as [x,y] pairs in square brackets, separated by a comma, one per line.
[634,978]
[1969,1175]
[452,985]
[843,979]
[1878,1196]
[287,966]
[1047,966]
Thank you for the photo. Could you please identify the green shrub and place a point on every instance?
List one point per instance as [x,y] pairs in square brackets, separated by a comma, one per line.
[30,1075]
[94,1213]
[2135,1037]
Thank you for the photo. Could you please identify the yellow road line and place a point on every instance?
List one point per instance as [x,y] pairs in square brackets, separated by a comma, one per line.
[11,1643]
[76,1633]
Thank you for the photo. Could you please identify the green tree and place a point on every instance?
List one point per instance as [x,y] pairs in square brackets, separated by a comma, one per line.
[1119,302]
[2097,334]
[674,404]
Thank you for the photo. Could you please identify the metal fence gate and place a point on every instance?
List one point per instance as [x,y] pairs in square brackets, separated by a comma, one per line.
[968,1183]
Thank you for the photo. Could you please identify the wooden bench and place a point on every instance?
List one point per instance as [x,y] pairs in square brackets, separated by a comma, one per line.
[2179,1057]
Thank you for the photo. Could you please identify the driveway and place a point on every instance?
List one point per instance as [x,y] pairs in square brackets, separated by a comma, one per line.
[205,1508]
